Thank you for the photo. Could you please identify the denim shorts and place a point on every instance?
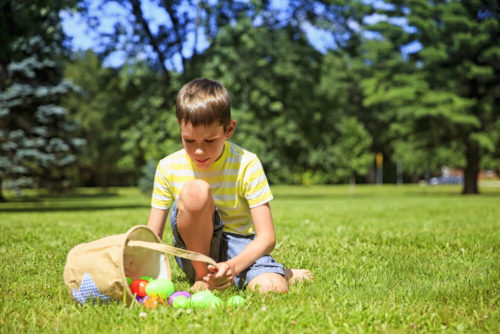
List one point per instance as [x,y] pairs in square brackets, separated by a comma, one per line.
[225,246]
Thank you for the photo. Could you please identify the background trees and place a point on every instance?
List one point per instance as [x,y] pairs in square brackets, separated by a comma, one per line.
[272,75]
[447,101]
[415,80]
[37,141]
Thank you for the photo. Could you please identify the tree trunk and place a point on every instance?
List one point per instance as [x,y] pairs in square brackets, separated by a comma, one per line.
[2,199]
[471,169]
[352,184]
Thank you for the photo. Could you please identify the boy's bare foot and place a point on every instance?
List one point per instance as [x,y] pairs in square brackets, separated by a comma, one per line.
[297,275]
[200,286]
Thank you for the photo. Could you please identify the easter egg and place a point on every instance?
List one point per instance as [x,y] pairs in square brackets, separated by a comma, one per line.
[181,302]
[177,294]
[161,287]
[205,299]
[147,278]
[129,280]
[153,302]
[235,301]
[138,287]
[201,299]
[215,301]
[141,299]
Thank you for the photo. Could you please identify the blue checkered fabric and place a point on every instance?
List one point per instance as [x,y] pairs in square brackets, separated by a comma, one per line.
[88,291]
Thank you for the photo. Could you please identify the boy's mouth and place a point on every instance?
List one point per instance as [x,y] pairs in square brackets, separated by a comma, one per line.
[201,161]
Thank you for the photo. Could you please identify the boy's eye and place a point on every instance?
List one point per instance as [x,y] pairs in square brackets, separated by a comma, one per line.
[209,140]
[189,141]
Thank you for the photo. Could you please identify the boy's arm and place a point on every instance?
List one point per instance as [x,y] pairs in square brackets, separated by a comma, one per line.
[263,244]
[156,220]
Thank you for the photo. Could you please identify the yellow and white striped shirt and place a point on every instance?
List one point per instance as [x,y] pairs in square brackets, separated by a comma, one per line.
[237,181]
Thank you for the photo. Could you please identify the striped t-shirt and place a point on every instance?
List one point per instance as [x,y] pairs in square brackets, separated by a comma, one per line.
[237,181]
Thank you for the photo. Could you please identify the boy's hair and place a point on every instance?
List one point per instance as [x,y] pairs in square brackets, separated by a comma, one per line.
[203,102]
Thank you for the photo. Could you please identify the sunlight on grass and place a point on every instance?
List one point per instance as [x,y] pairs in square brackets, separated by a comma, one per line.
[387,258]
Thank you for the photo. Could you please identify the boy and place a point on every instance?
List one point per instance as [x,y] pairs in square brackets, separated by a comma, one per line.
[219,197]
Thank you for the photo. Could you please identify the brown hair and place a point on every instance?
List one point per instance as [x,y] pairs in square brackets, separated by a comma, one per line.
[203,102]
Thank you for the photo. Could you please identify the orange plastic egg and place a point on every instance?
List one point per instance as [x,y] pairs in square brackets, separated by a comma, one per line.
[154,302]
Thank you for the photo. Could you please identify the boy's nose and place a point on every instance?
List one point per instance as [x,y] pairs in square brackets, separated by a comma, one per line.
[199,150]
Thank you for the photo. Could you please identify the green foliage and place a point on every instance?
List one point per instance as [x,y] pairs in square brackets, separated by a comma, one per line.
[491,161]
[99,107]
[38,142]
[127,116]
[273,93]
[388,259]
[357,130]
[445,94]
[419,159]
[311,117]
[351,151]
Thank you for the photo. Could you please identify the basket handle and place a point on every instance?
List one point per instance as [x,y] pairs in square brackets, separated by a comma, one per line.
[184,253]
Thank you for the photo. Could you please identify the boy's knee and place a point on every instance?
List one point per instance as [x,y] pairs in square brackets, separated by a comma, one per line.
[195,196]
[269,282]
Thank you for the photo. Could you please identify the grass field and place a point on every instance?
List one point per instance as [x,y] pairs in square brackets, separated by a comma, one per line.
[387,259]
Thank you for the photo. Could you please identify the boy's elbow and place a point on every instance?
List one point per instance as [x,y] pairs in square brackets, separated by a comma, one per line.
[271,242]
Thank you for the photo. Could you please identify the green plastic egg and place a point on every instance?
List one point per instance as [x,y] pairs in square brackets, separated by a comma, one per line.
[181,302]
[235,301]
[148,278]
[161,287]
[215,301]
[202,299]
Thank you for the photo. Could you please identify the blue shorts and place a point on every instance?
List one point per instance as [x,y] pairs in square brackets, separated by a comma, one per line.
[225,246]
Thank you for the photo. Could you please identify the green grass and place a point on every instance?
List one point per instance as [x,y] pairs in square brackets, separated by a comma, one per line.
[387,259]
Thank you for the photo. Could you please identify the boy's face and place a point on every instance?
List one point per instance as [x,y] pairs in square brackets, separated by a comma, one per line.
[205,144]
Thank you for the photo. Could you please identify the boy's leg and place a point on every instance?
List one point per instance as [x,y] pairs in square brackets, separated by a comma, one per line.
[269,282]
[195,220]
[265,274]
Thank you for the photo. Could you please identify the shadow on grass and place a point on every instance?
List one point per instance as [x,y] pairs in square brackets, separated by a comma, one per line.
[61,196]
[74,208]
[410,194]
[313,196]
[321,196]
[81,195]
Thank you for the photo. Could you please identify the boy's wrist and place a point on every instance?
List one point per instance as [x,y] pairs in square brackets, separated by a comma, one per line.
[233,265]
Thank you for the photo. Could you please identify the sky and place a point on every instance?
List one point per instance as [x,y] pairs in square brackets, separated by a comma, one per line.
[84,38]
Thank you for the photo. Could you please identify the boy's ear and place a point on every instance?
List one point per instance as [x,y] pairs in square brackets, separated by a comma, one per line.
[231,126]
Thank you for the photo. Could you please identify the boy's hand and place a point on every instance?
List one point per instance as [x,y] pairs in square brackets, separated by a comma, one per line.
[220,278]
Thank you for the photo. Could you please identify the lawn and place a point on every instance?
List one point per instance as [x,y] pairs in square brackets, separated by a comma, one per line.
[386,259]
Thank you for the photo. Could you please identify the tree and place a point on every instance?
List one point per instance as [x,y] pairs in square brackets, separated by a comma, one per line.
[351,152]
[37,146]
[272,90]
[168,43]
[341,83]
[151,130]
[260,52]
[100,106]
[125,114]
[451,97]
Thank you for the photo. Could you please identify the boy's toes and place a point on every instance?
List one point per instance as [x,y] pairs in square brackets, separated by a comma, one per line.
[298,275]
